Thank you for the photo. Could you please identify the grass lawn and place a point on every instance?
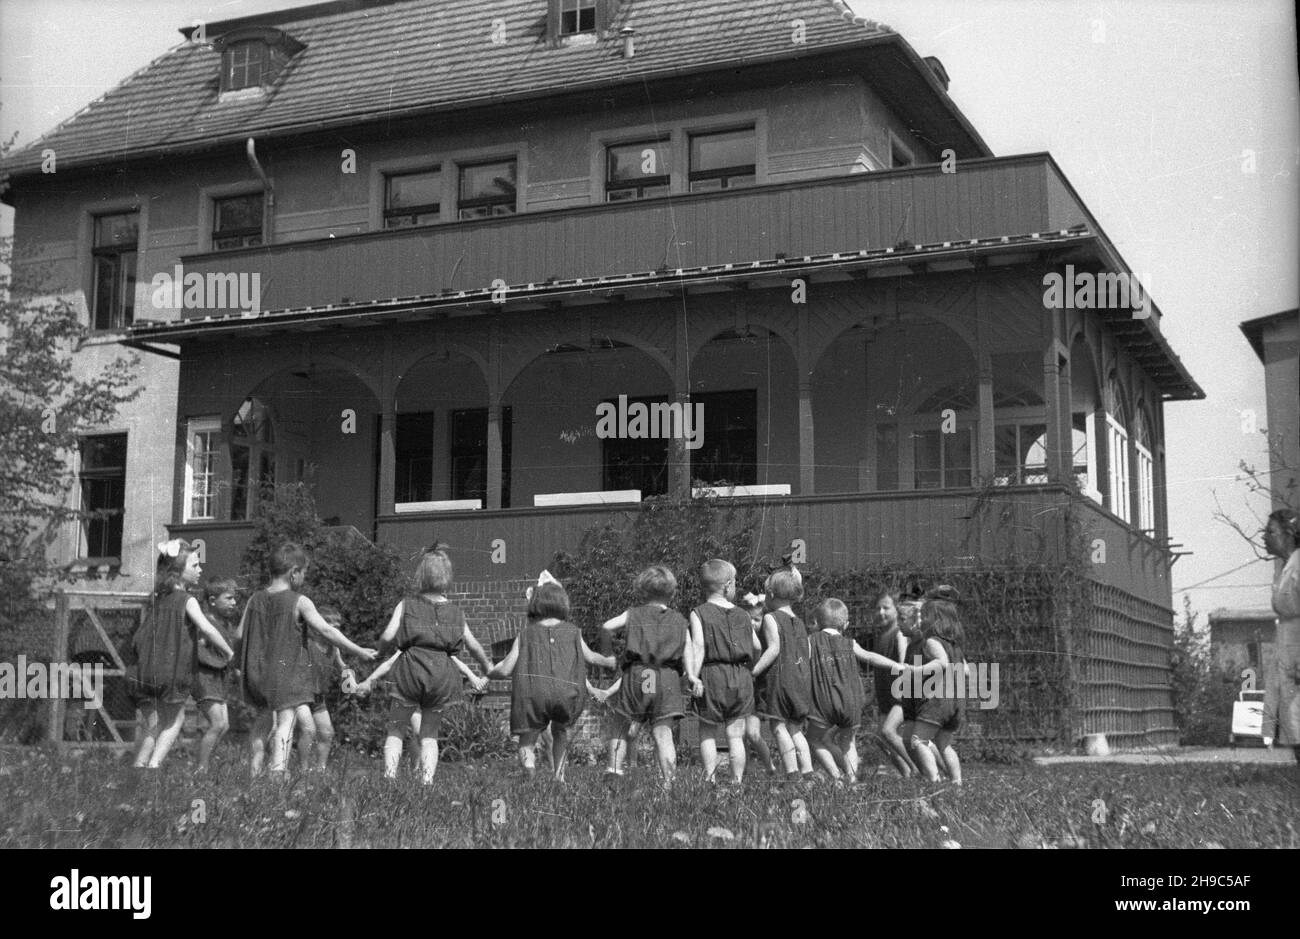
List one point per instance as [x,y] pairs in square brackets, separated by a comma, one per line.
[92,799]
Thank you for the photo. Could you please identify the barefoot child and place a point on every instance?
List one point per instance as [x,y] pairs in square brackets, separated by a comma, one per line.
[724,647]
[315,729]
[549,662]
[211,671]
[165,652]
[939,716]
[837,697]
[753,607]
[429,631]
[782,673]
[890,641]
[650,688]
[276,658]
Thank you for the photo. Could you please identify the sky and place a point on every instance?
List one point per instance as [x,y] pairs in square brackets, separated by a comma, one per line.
[1148,106]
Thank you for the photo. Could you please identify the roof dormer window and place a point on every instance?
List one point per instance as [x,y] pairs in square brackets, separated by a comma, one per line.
[578,22]
[254,57]
[577,16]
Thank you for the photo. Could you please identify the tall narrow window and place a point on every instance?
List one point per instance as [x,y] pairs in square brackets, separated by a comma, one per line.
[237,221]
[722,161]
[103,495]
[469,429]
[637,170]
[252,457]
[1145,473]
[114,257]
[487,190]
[201,445]
[636,463]
[413,446]
[1084,439]
[1019,454]
[1118,498]
[412,198]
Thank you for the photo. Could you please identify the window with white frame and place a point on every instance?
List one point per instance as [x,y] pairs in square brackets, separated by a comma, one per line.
[202,442]
[1084,439]
[1145,473]
[1118,496]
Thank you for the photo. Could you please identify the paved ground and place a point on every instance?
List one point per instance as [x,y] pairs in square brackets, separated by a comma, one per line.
[1242,754]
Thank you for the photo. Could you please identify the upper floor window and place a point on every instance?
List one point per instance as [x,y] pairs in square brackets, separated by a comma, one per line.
[487,189]
[114,257]
[244,65]
[412,198]
[577,16]
[637,170]
[237,221]
[1145,473]
[722,160]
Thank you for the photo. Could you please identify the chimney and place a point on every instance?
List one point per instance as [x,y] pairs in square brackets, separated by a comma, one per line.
[940,72]
[629,46]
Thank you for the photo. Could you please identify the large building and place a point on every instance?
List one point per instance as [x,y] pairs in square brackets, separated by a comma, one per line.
[463,235]
[1276,341]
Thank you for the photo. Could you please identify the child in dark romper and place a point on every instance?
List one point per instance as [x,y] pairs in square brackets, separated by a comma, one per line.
[890,640]
[650,688]
[939,715]
[548,662]
[429,631]
[166,653]
[782,673]
[209,690]
[315,728]
[724,646]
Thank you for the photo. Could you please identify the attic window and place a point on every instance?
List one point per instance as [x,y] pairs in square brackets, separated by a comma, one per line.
[254,57]
[577,16]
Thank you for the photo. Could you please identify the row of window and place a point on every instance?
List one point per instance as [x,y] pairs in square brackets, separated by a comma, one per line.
[638,170]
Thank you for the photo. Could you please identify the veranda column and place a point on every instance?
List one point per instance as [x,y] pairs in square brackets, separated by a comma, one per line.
[1057,465]
[806,466]
[387,461]
[984,458]
[494,455]
[679,457]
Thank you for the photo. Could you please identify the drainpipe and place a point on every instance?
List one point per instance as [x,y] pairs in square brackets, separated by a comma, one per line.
[250,148]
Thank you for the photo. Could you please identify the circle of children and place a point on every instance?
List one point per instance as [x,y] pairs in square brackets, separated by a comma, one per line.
[738,666]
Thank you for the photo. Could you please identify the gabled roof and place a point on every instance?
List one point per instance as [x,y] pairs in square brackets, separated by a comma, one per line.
[370,60]
[1254,329]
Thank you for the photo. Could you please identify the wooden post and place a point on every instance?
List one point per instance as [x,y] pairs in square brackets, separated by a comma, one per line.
[59,653]
[984,460]
[494,455]
[388,461]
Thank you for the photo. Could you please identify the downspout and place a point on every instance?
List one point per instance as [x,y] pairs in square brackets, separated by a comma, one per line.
[250,148]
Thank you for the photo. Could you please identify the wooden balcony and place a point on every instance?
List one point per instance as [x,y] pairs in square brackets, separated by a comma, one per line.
[986,198]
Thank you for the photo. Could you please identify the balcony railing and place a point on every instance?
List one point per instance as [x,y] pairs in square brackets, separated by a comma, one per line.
[922,205]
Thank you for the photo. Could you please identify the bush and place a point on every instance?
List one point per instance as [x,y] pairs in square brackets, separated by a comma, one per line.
[1202,691]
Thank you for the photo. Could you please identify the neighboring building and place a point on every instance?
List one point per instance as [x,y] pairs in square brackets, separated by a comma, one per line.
[1242,639]
[470,229]
[1276,340]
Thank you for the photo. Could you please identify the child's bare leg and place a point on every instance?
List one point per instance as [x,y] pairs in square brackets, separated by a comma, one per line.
[846,740]
[257,735]
[735,730]
[147,732]
[324,738]
[923,755]
[429,722]
[754,734]
[618,728]
[802,750]
[218,718]
[785,746]
[528,752]
[399,718]
[171,717]
[665,749]
[559,749]
[951,762]
[823,745]
[281,738]
[306,727]
[709,749]
[895,748]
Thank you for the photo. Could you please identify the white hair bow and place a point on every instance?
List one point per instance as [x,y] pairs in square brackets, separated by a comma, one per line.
[170,549]
[754,599]
[545,577]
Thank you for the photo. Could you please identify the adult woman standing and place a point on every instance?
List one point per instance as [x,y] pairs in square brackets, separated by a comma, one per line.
[1281,694]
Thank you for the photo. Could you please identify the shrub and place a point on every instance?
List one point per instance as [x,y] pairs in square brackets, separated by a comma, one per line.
[1202,691]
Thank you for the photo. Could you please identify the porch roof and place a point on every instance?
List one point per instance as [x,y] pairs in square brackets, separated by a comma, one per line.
[1141,336]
